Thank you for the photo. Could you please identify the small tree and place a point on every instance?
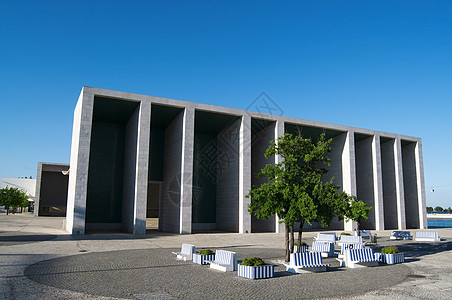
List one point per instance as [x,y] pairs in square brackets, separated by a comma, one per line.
[294,190]
[357,211]
[25,203]
[438,209]
[12,197]
[429,209]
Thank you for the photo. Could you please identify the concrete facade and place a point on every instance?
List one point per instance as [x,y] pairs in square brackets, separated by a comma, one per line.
[383,169]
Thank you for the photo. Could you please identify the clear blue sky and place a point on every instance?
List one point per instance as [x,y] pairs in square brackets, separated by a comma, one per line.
[383,65]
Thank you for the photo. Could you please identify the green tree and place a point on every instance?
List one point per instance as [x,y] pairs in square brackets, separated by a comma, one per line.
[13,197]
[356,211]
[438,209]
[294,189]
[429,209]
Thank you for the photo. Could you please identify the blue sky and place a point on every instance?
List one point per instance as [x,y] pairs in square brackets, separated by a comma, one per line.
[383,65]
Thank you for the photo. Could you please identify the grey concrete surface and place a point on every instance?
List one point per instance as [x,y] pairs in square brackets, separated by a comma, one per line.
[38,260]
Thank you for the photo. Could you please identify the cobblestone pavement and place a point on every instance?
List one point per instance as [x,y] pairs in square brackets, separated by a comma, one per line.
[39,261]
[155,271]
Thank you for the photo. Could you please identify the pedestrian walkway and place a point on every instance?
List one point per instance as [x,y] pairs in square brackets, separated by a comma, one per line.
[40,261]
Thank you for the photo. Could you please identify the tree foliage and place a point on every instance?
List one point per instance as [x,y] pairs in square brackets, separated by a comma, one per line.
[429,209]
[438,209]
[13,197]
[295,190]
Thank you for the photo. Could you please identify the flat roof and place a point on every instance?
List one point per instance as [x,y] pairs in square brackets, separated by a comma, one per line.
[238,112]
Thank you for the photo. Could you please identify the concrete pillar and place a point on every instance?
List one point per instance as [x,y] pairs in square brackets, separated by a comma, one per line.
[170,205]
[378,183]
[244,174]
[78,175]
[401,220]
[142,165]
[420,185]
[279,131]
[38,190]
[129,199]
[187,170]
[349,172]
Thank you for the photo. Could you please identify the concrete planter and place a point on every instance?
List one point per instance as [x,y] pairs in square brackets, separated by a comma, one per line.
[393,258]
[202,259]
[390,258]
[304,248]
[260,272]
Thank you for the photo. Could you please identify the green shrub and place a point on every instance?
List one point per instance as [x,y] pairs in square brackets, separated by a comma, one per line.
[302,243]
[253,262]
[345,233]
[206,252]
[389,250]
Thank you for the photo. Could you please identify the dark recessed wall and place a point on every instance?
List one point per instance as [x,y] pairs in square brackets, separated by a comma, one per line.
[204,178]
[53,195]
[105,177]
[104,202]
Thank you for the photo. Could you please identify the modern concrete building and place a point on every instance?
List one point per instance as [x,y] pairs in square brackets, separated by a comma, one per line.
[135,157]
[51,189]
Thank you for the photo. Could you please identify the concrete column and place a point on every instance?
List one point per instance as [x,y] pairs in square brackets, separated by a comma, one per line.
[142,165]
[349,172]
[129,204]
[378,183]
[420,185]
[78,175]
[401,220]
[38,190]
[244,174]
[188,134]
[279,131]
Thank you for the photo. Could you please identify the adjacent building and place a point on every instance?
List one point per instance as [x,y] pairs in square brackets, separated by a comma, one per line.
[51,189]
[190,165]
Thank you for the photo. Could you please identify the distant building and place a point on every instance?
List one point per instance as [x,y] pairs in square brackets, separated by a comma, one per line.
[190,165]
[51,189]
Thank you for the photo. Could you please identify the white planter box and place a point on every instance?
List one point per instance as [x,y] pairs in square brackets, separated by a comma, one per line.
[202,259]
[390,258]
[304,248]
[260,272]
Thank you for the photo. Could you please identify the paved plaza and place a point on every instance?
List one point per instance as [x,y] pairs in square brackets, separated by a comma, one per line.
[40,261]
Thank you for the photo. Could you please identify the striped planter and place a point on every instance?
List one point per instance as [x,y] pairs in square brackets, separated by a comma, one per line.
[202,259]
[378,256]
[392,258]
[304,248]
[259,272]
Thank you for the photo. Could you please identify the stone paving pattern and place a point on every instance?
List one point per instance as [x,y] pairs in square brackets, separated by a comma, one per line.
[39,261]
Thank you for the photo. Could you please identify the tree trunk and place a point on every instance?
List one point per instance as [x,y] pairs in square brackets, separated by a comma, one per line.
[291,237]
[358,228]
[286,235]
[7,208]
[300,233]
